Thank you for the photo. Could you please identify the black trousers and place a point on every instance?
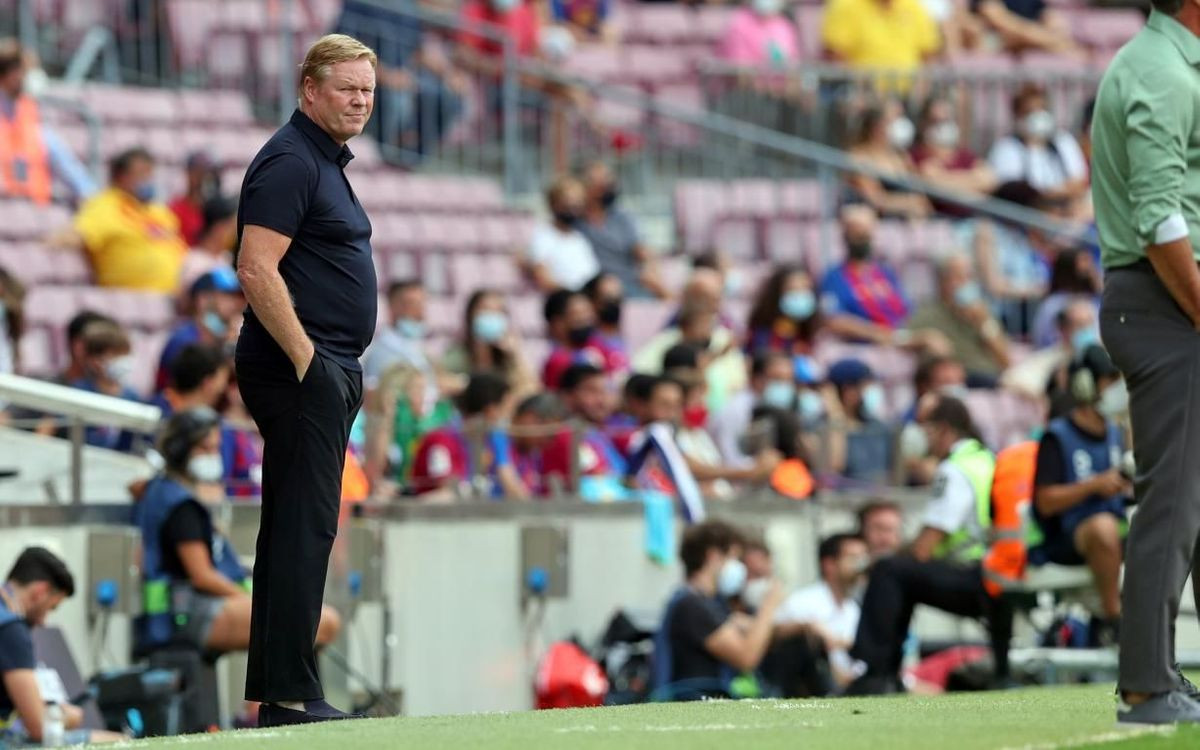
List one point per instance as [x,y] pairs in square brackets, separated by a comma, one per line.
[900,583]
[305,427]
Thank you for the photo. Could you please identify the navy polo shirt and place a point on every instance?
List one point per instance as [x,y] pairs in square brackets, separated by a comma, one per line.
[297,187]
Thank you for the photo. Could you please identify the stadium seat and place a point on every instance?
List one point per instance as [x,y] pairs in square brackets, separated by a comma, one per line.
[1106,28]
[663,24]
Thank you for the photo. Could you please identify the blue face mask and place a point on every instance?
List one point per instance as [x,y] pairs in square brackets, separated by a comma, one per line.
[968,294]
[811,406]
[489,326]
[873,401]
[1083,338]
[145,191]
[798,304]
[410,329]
[779,394]
[215,324]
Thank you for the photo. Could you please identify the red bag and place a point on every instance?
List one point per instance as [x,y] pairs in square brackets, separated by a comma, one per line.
[569,678]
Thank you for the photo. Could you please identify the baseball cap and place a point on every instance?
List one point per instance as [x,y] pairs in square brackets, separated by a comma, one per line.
[849,372]
[219,279]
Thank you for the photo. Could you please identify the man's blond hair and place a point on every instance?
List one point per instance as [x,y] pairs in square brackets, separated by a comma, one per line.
[330,50]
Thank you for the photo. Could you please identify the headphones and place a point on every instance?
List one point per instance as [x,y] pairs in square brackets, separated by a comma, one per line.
[1083,384]
[182,432]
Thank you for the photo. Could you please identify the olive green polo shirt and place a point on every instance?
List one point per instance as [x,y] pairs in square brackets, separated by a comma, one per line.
[1146,144]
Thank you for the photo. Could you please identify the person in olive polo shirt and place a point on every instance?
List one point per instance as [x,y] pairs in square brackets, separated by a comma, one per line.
[1146,191]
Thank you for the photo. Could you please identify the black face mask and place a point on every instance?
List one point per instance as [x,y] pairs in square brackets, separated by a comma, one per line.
[609,312]
[858,249]
[566,218]
[608,197]
[580,335]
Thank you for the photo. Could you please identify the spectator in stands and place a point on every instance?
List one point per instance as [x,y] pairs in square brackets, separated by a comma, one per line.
[934,375]
[785,317]
[1014,261]
[76,351]
[1045,372]
[132,240]
[571,328]
[882,141]
[198,584]
[216,303]
[107,369]
[942,568]
[706,283]
[445,458]
[36,585]
[773,384]
[829,608]
[897,36]
[559,256]
[881,527]
[724,367]
[606,293]
[614,236]
[1073,275]
[402,417]
[586,393]
[32,155]
[861,443]
[961,313]
[12,321]
[534,422]
[1040,152]
[587,20]
[203,184]
[1080,486]
[489,343]
[1028,26]
[759,35]
[403,341]
[941,158]
[214,247]
[701,646]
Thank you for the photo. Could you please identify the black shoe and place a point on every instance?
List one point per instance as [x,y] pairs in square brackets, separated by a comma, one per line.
[271,715]
[870,684]
[1187,686]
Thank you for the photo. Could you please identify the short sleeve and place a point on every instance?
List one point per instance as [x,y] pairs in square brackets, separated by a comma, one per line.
[1158,124]
[187,523]
[953,501]
[276,195]
[1051,469]
[16,648]
[1007,160]
[694,621]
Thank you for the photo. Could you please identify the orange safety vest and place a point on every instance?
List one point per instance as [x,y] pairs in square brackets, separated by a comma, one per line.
[24,166]
[1012,492]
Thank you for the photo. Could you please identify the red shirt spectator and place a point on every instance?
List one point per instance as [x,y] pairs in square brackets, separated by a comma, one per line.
[444,456]
[515,18]
[595,352]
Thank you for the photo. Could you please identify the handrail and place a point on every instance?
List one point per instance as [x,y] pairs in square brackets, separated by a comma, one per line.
[85,407]
[815,70]
[90,119]
[99,43]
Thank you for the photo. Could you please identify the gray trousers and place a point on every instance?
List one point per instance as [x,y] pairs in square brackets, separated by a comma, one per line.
[1158,350]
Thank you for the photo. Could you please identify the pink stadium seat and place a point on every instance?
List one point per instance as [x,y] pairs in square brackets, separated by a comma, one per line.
[663,24]
[618,114]
[190,22]
[50,306]
[525,310]
[655,66]
[756,198]
[1106,28]
[808,21]
[444,314]
[785,240]
[737,236]
[37,353]
[468,273]
[800,198]
[697,203]
[501,272]
[594,62]
[641,319]
[434,273]
[711,22]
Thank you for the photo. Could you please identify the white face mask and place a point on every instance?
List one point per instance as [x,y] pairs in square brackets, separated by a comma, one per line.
[900,133]
[119,368]
[732,578]
[206,467]
[914,443]
[1114,401]
[874,402]
[1039,125]
[767,7]
[944,134]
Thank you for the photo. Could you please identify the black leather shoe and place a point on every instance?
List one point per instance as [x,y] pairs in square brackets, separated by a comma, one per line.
[271,715]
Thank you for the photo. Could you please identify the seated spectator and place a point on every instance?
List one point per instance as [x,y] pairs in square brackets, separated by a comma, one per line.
[216,303]
[76,351]
[203,184]
[897,36]
[961,313]
[700,646]
[1080,487]
[773,384]
[445,458]
[199,378]
[656,465]
[214,248]
[559,256]
[34,156]
[1014,261]
[614,236]
[133,241]
[785,317]
[586,394]
[195,582]
[829,608]
[1028,26]
[1073,275]
[881,527]
[489,343]
[882,141]
[403,417]
[536,422]
[760,36]
[106,369]
[724,367]
[941,158]
[860,441]
[12,321]
[587,20]
[36,585]
[1040,152]
[571,328]
[706,283]
[606,294]
[933,375]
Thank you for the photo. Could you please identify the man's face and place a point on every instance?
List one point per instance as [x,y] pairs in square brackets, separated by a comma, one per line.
[570,200]
[851,563]
[758,564]
[957,274]
[409,304]
[341,104]
[580,313]
[215,385]
[592,400]
[41,600]
[883,533]
[525,424]
[778,370]
[666,404]
[599,181]
[140,172]
[229,305]
[946,376]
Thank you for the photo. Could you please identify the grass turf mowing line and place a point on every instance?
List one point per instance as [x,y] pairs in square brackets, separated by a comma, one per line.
[1037,719]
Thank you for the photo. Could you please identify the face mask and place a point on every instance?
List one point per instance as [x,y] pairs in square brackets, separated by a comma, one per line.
[580,335]
[566,218]
[489,326]
[609,197]
[914,443]
[695,417]
[609,312]
[944,134]
[215,324]
[900,133]
[798,304]
[967,295]
[873,401]
[858,249]
[733,282]
[811,406]
[1039,125]
[145,191]
[35,82]
[1114,401]
[410,329]
[504,6]
[755,591]
[1083,338]
[958,391]
[767,7]
[731,579]
[207,467]
[779,394]
[119,368]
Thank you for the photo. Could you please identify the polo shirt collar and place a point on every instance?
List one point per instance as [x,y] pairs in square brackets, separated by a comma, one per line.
[1184,40]
[329,148]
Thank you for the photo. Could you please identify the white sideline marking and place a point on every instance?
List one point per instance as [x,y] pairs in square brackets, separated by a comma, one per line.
[1116,735]
[592,728]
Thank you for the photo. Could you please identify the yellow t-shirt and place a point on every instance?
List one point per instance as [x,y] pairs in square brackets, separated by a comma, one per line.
[892,34]
[133,245]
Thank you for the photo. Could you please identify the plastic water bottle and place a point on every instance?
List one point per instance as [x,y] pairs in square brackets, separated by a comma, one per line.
[53,726]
